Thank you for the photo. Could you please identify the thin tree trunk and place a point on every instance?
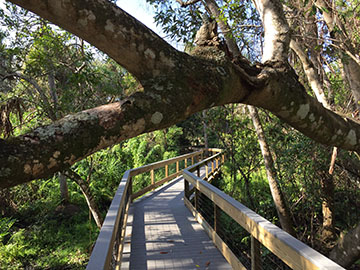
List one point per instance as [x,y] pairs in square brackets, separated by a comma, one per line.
[327,192]
[64,191]
[311,73]
[278,197]
[206,144]
[85,189]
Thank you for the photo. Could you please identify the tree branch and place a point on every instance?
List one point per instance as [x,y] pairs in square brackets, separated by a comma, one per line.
[175,84]
[187,3]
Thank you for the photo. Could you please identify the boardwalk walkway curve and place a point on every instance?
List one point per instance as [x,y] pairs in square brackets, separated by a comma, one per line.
[158,232]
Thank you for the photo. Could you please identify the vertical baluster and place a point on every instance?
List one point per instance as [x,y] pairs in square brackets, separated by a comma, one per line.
[185,162]
[130,190]
[192,160]
[216,218]
[196,200]
[166,170]
[177,166]
[255,254]
[206,170]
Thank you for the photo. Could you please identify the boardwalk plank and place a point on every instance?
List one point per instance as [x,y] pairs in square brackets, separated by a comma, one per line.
[163,234]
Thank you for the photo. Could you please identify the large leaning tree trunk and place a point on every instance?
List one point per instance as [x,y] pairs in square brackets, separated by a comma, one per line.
[175,85]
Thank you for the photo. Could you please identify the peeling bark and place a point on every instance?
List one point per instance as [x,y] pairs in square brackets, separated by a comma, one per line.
[163,72]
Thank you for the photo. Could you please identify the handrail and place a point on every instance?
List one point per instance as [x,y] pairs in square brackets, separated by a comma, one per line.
[108,248]
[293,252]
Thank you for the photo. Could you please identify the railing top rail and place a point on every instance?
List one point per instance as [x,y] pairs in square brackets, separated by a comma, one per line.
[101,254]
[289,249]
[201,163]
[162,163]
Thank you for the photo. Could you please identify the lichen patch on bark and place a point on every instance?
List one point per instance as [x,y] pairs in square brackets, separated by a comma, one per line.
[303,111]
[27,169]
[70,160]
[136,128]
[156,118]
[52,163]
[351,137]
[109,26]
[149,54]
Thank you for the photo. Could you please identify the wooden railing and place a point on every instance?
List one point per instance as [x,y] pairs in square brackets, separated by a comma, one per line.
[288,249]
[108,248]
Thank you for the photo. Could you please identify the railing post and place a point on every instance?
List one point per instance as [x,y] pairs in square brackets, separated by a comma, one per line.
[166,170]
[177,166]
[185,162]
[212,166]
[192,160]
[255,254]
[206,170]
[152,177]
[186,189]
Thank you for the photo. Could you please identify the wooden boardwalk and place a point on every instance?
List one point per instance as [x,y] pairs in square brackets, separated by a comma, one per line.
[162,234]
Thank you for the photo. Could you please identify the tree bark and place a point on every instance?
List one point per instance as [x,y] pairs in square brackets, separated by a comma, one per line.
[85,189]
[278,197]
[206,144]
[347,251]
[163,72]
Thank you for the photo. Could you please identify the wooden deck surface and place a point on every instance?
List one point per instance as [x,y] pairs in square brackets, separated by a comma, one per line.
[163,234]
